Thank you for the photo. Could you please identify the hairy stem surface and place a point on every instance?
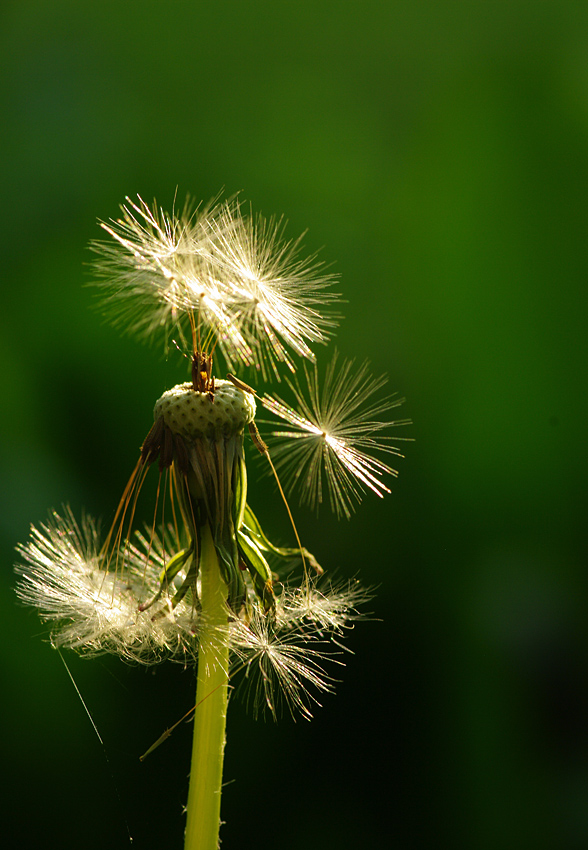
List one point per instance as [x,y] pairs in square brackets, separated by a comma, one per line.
[204,794]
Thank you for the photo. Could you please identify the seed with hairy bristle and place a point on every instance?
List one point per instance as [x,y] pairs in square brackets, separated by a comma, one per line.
[193,414]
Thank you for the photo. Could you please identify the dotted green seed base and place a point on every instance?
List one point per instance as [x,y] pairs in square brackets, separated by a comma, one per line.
[193,414]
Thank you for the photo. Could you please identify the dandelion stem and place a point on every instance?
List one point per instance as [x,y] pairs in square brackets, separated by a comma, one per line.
[204,794]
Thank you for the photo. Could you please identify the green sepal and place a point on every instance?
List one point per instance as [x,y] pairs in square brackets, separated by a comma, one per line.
[167,575]
[188,584]
[240,492]
[228,561]
[255,531]
[259,570]
[174,565]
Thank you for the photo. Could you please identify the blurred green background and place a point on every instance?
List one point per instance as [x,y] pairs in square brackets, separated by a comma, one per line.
[439,152]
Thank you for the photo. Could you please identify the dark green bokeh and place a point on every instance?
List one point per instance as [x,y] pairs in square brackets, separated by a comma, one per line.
[440,153]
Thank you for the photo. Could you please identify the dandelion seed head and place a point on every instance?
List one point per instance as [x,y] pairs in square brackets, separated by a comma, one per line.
[233,283]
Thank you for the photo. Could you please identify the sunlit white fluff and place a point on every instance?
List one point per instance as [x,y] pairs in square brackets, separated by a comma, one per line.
[160,269]
[329,608]
[245,284]
[336,430]
[277,296]
[92,609]
[281,666]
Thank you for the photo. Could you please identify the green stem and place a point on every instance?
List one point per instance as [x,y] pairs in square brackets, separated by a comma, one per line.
[204,794]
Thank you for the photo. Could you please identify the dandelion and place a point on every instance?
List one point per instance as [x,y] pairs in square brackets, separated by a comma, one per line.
[336,433]
[201,582]
[195,584]
[251,292]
